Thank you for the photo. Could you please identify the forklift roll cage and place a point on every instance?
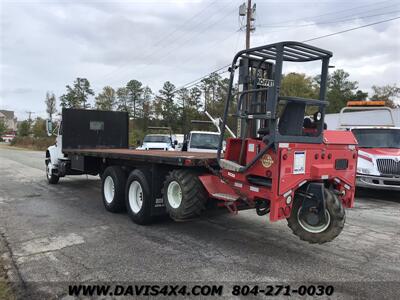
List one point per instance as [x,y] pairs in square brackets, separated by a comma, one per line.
[291,122]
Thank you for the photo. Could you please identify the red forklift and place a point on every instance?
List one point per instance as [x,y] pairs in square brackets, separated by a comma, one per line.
[282,163]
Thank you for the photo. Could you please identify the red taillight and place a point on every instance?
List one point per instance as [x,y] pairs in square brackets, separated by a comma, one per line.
[188,162]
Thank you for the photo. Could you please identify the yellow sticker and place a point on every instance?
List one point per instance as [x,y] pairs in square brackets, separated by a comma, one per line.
[267,161]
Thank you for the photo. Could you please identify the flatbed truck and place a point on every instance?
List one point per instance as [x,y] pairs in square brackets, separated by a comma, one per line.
[278,165]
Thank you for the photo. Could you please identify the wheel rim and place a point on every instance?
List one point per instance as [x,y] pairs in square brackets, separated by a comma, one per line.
[135,195]
[314,228]
[174,194]
[109,189]
[48,170]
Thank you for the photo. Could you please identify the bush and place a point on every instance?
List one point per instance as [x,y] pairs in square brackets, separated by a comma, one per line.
[33,143]
[134,137]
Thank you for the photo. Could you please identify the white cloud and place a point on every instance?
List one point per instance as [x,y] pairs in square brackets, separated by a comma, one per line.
[46,45]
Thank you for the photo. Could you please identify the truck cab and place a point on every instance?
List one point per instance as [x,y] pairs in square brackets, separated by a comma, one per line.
[378,157]
[378,164]
[55,158]
[165,142]
[202,141]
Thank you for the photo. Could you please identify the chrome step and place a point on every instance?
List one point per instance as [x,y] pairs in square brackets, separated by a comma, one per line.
[225,196]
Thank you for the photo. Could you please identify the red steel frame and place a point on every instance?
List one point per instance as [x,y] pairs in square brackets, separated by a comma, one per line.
[319,167]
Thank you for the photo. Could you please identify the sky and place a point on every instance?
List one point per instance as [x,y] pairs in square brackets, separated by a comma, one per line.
[45,45]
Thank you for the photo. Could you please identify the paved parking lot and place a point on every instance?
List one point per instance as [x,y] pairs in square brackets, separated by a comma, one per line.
[61,233]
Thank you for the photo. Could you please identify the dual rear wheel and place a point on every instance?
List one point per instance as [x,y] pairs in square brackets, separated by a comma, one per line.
[183,194]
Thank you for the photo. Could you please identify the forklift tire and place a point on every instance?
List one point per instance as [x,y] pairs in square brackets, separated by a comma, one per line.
[184,195]
[138,198]
[335,218]
[51,178]
[113,189]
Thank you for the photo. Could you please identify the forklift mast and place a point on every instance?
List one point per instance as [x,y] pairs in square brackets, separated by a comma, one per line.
[253,73]
[263,113]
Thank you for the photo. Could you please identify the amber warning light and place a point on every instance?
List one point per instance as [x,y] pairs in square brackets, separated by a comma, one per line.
[366,103]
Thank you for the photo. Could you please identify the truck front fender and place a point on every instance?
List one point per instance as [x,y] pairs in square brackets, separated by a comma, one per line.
[51,153]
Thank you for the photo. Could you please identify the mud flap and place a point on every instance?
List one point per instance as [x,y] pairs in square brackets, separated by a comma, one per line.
[314,202]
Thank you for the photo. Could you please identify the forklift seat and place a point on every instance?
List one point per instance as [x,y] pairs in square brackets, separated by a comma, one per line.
[291,121]
[263,131]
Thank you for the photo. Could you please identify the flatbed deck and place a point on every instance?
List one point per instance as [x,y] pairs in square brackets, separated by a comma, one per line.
[179,158]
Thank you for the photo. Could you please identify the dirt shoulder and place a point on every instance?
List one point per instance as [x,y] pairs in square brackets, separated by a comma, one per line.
[6,291]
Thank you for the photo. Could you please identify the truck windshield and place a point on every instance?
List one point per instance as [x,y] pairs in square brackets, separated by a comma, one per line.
[156,139]
[377,138]
[204,141]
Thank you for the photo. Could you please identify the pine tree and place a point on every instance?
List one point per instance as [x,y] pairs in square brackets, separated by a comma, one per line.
[106,99]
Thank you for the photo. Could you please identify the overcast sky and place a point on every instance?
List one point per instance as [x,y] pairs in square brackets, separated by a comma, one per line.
[47,44]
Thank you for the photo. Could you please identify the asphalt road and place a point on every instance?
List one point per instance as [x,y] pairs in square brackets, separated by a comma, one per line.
[53,234]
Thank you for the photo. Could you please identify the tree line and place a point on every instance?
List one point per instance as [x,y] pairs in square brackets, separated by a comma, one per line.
[176,108]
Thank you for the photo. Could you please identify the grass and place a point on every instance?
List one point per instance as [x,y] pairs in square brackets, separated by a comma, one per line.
[32,143]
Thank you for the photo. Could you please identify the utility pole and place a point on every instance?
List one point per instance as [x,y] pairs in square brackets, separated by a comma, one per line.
[30,115]
[248,23]
[247,11]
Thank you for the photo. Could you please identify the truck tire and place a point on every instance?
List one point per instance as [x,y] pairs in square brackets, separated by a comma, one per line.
[138,198]
[184,195]
[326,232]
[113,189]
[51,178]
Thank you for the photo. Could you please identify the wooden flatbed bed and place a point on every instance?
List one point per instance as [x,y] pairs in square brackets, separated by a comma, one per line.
[177,158]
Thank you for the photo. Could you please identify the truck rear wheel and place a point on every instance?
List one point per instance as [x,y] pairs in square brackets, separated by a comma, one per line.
[184,195]
[318,232]
[138,198]
[113,189]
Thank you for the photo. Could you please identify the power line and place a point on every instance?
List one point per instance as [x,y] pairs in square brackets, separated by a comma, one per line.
[333,13]
[351,29]
[195,82]
[184,42]
[210,48]
[332,22]
[164,38]
[191,83]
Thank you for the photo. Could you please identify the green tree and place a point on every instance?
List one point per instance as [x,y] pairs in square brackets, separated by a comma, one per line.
[183,99]
[147,101]
[77,96]
[195,98]
[50,104]
[145,114]
[388,93]
[340,90]
[3,127]
[106,99]
[359,95]
[135,95]
[298,85]
[24,128]
[39,128]
[209,86]
[166,106]
[123,100]
[69,100]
